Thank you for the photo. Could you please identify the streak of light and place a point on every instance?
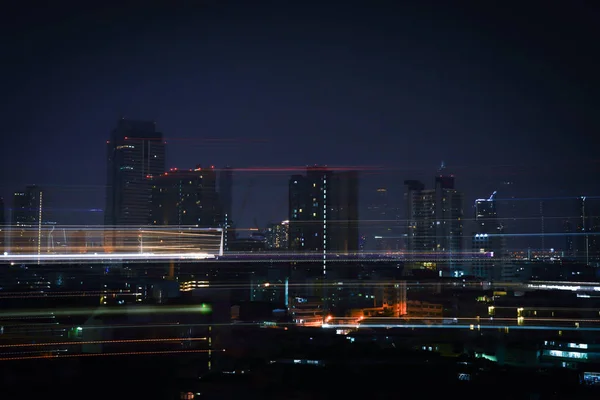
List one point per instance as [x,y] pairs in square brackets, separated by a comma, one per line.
[3,346]
[482,319]
[458,326]
[107,256]
[304,168]
[205,308]
[130,353]
[546,198]
[99,292]
[52,295]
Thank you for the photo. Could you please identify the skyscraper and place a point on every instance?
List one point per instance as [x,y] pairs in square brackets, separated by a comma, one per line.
[135,152]
[186,198]
[488,237]
[323,219]
[434,223]
[587,247]
[449,213]
[26,221]
[323,212]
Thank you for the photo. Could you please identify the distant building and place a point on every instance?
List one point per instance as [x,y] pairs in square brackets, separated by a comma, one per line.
[434,223]
[277,236]
[26,235]
[323,211]
[323,215]
[135,152]
[586,243]
[488,237]
[186,198]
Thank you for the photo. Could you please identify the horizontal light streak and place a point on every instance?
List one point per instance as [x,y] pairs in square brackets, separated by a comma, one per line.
[133,309]
[129,353]
[459,326]
[106,256]
[129,341]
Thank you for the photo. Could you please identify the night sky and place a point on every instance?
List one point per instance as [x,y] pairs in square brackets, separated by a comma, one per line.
[500,93]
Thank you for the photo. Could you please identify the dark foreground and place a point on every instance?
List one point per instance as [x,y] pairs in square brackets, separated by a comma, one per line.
[167,377]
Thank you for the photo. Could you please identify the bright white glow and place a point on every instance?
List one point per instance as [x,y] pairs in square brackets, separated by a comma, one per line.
[111,256]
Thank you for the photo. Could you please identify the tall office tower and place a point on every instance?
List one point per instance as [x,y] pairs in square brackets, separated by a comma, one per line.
[276,236]
[323,212]
[449,213]
[186,198]
[135,152]
[587,247]
[26,221]
[420,218]
[225,189]
[2,226]
[323,219]
[488,237]
[434,224]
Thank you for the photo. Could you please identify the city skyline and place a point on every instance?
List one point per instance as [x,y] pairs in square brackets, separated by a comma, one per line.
[403,102]
[233,198]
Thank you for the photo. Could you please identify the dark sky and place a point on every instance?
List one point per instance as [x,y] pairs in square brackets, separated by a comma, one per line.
[499,92]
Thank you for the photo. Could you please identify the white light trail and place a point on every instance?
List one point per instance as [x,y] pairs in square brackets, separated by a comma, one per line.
[106,256]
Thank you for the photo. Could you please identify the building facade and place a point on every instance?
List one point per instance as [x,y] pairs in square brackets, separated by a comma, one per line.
[26,233]
[323,211]
[135,153]
[434,225]
[488,238]
[277,236]
[186,198]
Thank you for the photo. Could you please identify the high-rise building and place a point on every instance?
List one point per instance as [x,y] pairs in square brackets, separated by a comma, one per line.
[449,213]
[186,198]
[225,189]
[488,238]
[135,152]
[277,236]
[434,224]
[323,212]
[586,243]
[26,221]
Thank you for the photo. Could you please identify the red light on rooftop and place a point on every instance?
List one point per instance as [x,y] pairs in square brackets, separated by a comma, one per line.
[108,141]
[126,138]
[212,166]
